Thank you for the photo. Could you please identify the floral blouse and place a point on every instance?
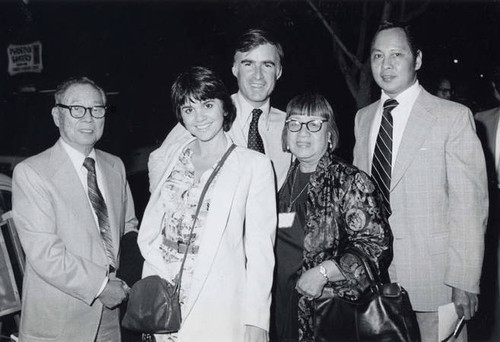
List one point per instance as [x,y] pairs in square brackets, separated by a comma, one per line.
[179,199]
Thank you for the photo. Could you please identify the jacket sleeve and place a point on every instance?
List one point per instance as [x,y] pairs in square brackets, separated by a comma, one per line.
[260,232]
[366,229]
[468,198]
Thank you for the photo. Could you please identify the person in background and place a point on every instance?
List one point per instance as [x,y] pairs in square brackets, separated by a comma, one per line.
[257,65]
[226,284]
[71,206]
[488,131]
[426,159]
[325,207]
[444,89]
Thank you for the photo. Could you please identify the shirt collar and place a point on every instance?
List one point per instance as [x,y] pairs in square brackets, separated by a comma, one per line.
[77,158]
[246,108]
[407,96]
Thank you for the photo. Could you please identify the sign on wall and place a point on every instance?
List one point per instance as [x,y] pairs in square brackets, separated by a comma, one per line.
[25,58]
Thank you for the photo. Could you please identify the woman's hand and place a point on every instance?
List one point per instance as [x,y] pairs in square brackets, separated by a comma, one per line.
[255,334]
[311,283]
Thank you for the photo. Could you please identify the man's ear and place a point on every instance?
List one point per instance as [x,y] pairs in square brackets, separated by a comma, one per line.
[418,60]
[279,72]
[234,69]
[55,115]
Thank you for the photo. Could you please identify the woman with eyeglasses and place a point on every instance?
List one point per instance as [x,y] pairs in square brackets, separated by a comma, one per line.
[325,207]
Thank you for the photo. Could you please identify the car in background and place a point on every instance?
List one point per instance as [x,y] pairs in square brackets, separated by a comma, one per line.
[5,193]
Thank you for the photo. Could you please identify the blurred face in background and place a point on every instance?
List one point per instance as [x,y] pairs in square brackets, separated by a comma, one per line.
[257,71]
[444,89]
[394,67]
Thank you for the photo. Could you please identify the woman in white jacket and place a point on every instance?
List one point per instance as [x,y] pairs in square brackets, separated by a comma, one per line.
[226,284]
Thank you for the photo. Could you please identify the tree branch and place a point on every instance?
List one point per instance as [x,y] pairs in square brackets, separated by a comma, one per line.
[334,35]
[415,13]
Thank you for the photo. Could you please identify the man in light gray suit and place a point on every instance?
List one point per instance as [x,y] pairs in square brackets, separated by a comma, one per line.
[71,206]
[437,189]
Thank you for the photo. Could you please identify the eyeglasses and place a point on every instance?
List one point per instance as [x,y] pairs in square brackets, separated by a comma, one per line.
[312,126]
[78,112]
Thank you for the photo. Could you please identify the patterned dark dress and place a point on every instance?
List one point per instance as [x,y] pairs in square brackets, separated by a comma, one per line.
[342,210]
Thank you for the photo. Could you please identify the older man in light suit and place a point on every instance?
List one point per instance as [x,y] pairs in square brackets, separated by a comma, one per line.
[433,181]
[71,206]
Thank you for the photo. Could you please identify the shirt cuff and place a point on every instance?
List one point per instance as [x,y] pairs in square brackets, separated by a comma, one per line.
[104,283]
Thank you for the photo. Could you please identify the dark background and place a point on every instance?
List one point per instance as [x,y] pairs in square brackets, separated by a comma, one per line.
[135,49]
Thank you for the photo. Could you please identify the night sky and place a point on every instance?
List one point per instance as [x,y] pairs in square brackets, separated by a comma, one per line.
[134,49]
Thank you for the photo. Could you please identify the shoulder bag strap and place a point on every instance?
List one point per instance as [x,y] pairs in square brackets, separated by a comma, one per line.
[200,201]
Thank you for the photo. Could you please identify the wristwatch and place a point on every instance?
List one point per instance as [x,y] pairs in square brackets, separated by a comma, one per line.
[322,271]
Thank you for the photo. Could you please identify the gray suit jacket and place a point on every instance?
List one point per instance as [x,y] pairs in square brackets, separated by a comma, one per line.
[438,197]
[65,259]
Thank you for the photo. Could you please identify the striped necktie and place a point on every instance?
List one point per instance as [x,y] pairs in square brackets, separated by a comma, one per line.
[101,211]
[382,157]
[254,139]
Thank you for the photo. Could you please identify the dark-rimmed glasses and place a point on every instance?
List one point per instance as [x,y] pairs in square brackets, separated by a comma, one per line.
[79,112]
[312,126]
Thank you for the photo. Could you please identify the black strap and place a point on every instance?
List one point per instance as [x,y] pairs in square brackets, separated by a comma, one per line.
[200,201]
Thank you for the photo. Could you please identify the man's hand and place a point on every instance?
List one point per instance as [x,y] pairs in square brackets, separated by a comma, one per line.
[115,292]
[255,334]
[466,303]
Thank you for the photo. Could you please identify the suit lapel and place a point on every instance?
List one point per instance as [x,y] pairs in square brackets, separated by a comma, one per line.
[221,202]
[71,188]
[363,139]
[417,129]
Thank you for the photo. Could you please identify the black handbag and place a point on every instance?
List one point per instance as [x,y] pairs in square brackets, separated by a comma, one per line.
[153,306]
[382,314]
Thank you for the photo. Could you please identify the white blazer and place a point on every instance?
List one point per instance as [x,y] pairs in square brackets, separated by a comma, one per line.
[232,279]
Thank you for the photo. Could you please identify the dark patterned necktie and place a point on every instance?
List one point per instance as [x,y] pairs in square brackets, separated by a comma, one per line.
[254,139]
[382,157]
[100,209]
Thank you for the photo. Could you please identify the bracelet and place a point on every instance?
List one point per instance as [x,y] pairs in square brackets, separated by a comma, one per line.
[322,271]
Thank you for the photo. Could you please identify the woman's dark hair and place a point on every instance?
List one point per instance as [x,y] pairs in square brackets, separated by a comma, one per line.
[200,84]
[312,104]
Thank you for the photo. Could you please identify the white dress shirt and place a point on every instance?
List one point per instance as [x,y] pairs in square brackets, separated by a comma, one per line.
[400,116]
[271,123]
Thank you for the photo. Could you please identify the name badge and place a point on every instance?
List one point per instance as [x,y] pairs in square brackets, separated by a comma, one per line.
[285,220]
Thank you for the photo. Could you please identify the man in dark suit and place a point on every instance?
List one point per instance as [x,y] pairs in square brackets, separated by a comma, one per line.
[71,206]
[426,159]
[487,128]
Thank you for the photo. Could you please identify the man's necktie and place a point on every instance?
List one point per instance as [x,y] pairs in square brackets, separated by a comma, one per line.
[382,157]
[100,209]
[254,138]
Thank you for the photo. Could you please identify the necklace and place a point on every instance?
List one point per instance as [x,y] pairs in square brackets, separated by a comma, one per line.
[293,200]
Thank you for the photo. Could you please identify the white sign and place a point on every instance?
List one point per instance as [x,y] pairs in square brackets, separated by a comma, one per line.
[25,58]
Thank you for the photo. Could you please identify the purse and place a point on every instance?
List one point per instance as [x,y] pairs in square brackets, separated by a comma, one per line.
[382,314]
[153,305]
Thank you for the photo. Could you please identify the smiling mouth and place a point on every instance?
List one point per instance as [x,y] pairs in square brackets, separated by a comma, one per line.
[387,78]
[87,130]
[202,127]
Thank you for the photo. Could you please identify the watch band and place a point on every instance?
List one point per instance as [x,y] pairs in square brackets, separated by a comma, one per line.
[322,271]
